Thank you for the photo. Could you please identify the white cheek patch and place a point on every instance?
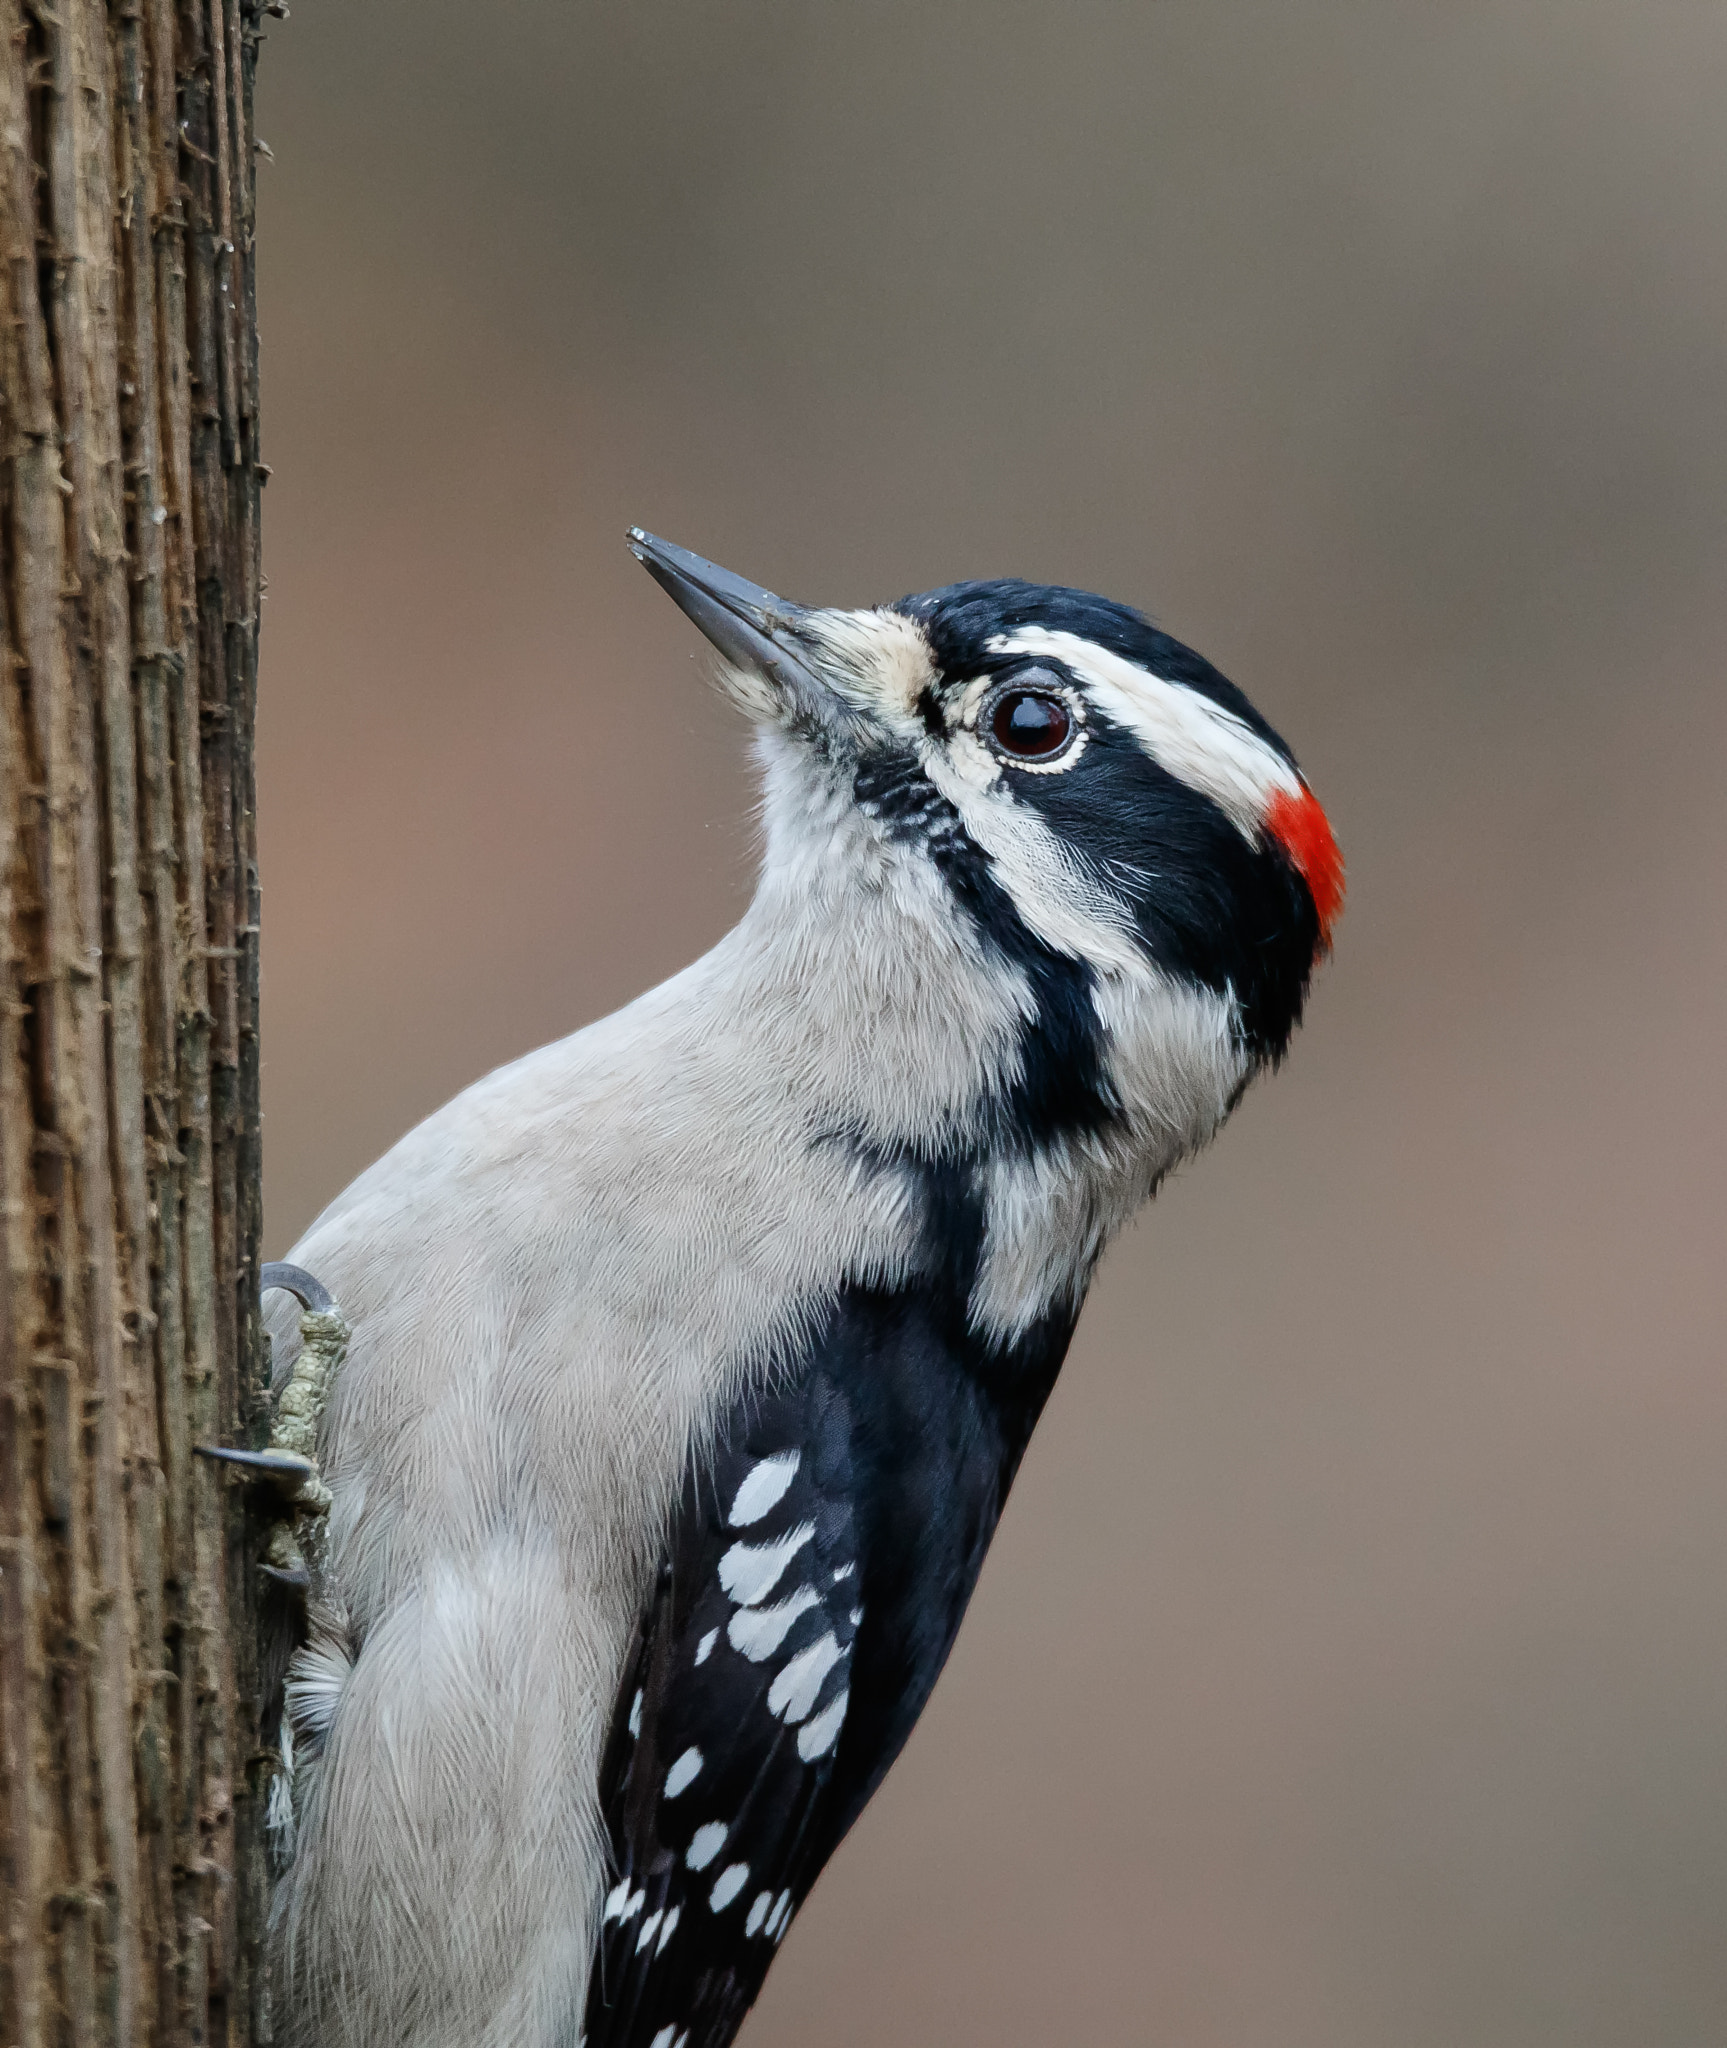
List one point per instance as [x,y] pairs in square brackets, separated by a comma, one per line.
[1055,897]
[1174,1064]
[1182,730]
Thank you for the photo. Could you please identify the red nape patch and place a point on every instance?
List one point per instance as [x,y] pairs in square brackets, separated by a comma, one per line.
[1302,829]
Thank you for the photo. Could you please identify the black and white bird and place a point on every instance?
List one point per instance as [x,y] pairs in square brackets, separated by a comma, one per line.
[693,1356]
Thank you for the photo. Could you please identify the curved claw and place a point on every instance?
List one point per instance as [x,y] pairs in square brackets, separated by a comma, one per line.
[285,1469]
[309,1291]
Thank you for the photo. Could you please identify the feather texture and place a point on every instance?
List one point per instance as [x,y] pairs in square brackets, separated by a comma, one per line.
[693,1356]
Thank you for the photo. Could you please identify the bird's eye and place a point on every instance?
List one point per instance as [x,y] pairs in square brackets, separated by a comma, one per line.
[1031,725]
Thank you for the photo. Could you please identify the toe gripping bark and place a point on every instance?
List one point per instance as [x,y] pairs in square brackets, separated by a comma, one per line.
[289,1464]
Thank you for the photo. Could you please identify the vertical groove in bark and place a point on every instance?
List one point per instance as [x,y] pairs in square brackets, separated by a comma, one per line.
[130,1786]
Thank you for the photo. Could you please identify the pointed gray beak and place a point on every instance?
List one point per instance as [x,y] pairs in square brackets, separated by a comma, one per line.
[757,633]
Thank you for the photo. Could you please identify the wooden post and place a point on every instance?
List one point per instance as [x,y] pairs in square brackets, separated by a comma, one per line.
[132,1881]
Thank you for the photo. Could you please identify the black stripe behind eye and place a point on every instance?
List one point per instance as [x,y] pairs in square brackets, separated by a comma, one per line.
[1211,907]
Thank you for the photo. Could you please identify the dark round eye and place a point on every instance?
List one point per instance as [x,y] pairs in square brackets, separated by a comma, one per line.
[1030,723]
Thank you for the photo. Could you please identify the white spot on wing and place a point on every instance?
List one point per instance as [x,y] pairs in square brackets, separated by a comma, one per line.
[750,1571]
[682,1774]
[763,1486]
[622,1903]
[705,1648]
[636,1713]
[757,1632]
[817,1737]
[781,1916]
[706,1843]
[650,1927]
[665,2037]
[669,1929]
[758,1912]
[727,1885]
[794,1690]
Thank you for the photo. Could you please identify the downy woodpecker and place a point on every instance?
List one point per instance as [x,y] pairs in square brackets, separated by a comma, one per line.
[693,1356]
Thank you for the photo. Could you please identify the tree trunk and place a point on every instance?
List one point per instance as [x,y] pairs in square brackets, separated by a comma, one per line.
[129,1193]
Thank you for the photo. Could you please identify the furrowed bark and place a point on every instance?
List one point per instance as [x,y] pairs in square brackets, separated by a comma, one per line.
[131,1787]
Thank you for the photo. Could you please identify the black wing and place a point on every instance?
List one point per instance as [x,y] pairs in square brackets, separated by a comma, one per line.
[728,1726]
[816,1575]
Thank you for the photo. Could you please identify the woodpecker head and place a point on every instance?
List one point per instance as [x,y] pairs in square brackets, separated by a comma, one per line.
[1067,767]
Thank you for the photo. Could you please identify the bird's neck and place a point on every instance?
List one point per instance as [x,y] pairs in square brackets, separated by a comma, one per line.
[1033,1101]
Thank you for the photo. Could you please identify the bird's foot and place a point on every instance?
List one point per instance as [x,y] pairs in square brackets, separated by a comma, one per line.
[289,1464]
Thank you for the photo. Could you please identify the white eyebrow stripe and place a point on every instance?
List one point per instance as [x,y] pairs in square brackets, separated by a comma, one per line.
[1181,729]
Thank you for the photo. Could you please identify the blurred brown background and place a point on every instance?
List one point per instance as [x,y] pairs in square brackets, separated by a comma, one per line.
[1351,1670]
